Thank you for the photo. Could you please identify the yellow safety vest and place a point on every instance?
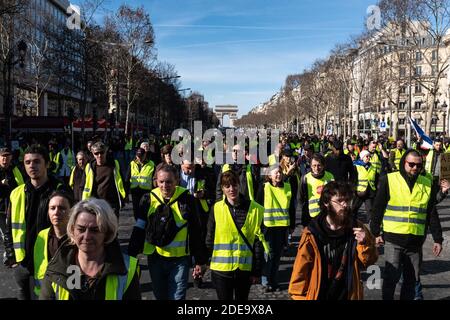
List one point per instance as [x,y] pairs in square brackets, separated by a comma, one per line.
[200,185]
[272,159]
[18,222]
[315,186]
[398,155]
[230,250]
[18,176]
[276,205]
[294,147]
[40,259]
[178,247]
[87,191]
[365,178]
[21,154]
[248,172]
[316,146]
[376,162]
[406,211]
[116,285]
[429,161]
[70,160]
[129,145]
[72,175]
[141,178]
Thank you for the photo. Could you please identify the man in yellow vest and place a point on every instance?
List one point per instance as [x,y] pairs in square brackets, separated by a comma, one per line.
[249,174]
[169,264]
[366,186]
[27,216]
[103,179]
[10,178]
[139,179]
[128,148]
[433,160]
[311,187]
[396,154]
[65,162]
[404,205]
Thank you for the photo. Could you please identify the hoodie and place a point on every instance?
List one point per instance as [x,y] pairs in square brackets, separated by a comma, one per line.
[408,241]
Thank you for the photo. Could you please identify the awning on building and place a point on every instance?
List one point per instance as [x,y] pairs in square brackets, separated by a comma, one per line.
[39,124]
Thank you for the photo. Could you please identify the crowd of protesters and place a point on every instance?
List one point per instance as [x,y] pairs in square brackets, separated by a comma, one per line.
[60,204]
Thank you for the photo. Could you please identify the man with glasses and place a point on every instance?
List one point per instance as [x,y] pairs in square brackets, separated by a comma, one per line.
[103,179]
[334,248]
[405,206]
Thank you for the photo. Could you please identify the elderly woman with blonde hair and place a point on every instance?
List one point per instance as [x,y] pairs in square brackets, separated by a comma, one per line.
[90,264]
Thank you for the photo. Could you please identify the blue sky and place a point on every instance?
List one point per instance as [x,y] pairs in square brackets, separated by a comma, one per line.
[240,52]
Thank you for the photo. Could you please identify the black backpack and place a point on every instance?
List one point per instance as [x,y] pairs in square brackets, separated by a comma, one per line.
[161,226]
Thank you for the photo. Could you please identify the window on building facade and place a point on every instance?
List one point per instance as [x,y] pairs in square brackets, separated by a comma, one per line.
[418,105]
[403,72]
[403,89]
[418,71]
[418,88]
[401,121]
[402,106]
[418,56]
[434,55]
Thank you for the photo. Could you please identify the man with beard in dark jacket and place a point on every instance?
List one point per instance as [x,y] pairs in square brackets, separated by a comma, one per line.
[27,215]
[340,164]
[405,206]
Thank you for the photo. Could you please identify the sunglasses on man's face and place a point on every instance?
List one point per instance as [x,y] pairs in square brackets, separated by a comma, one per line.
[414,164]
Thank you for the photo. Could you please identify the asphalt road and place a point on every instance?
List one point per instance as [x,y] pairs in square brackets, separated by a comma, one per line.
[435,271]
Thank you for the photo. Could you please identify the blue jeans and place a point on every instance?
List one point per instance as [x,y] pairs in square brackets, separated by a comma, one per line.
[276,238]
[169,276]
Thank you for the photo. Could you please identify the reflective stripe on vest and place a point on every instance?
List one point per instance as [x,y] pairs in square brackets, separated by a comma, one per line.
[276,205]
[18,222]
[178,247]
[248,173]
[87,191]
[18,176]
[141,178]
[398,156]
[230,250]
[406,212]
[315,186]
[116,285]
[40,259]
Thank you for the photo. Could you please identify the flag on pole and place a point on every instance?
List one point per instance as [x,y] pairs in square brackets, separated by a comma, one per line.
[427,142]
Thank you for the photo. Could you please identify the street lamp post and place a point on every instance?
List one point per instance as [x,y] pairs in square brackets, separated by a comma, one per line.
[8,88]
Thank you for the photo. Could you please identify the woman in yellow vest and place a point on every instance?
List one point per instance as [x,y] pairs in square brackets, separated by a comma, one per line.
[49,240]
[89,265]
[311,188]
[236,241]
[279,221]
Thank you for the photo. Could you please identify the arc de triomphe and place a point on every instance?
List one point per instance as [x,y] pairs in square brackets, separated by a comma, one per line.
[231,111]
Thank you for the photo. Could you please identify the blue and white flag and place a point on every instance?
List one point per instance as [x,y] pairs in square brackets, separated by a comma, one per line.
[427,142]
